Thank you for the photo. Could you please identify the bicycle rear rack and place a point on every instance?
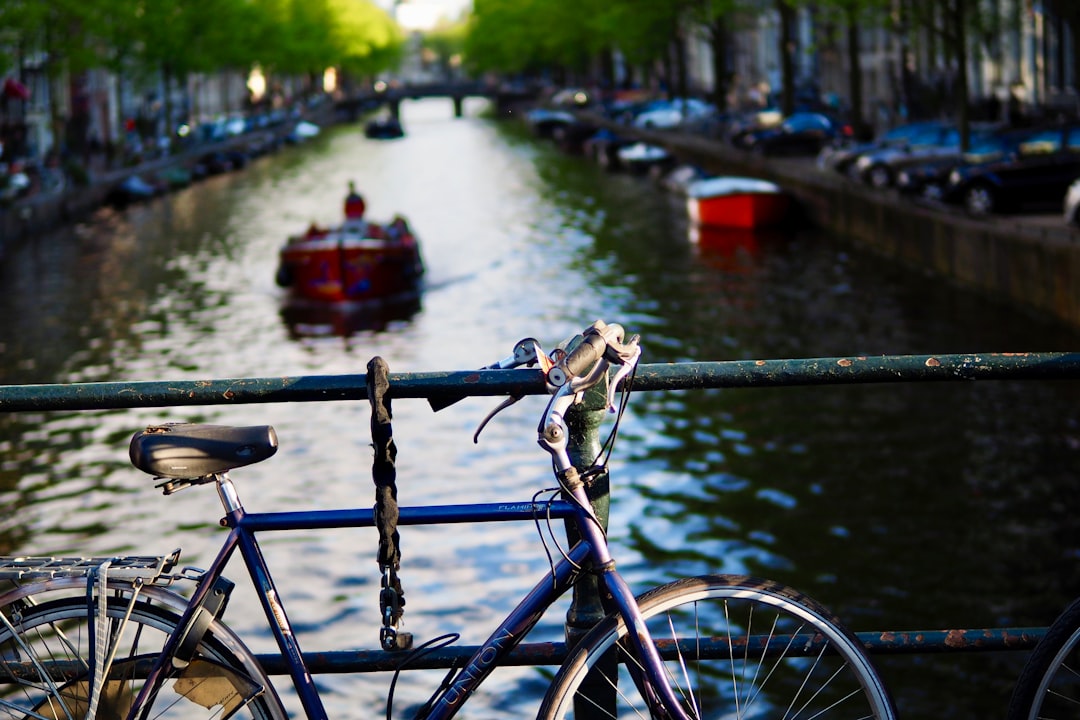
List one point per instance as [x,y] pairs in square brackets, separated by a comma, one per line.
[137,567]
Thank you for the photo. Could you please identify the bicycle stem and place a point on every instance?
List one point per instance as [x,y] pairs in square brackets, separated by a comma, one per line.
[553,437]
[653,678]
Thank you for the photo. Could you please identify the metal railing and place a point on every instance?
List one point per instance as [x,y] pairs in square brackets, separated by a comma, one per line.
[445,386]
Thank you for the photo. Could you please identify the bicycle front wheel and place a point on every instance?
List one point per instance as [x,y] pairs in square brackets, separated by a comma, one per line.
[734,647]
[47,650]
[1049,684]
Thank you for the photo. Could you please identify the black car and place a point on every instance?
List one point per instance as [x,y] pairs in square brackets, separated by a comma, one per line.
[804,133]
[935,141]
[928,179]
[842,156]
[1036,171]
[214,163]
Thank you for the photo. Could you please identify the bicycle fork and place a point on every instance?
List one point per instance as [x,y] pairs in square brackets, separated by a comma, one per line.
[649,675]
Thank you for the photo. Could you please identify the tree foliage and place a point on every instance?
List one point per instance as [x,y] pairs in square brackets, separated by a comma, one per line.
[447,43]
[290,36]
[562,37]
[517,36]
[172,39]
[855,14]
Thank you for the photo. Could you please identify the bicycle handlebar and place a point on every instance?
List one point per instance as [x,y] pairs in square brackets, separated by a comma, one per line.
[571,373]
[568,374]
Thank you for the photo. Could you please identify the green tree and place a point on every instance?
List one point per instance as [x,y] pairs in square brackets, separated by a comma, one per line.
[646,32]
[718,19]
[1069,12]
[857,14]
[786,50]
[58,32]
[952,23]
[563,38]
[362,38]
[501,36]
[446,42]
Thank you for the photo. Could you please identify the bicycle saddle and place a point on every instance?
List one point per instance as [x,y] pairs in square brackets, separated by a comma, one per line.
[192,450]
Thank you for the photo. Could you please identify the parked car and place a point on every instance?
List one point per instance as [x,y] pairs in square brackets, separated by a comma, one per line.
[841,156]
[928,179]
[1037,173]
[543,121]
[879,168]
[1072,203]
[132,189]
[744,121]
[14,182]
[668,114]
[802,133]
[603,147]
[214,163]
[571,97]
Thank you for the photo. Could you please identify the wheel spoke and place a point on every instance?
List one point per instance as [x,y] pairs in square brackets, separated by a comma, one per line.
[44,656]
[793,662]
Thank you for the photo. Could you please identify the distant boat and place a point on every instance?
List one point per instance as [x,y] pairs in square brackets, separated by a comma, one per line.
[603,147]
[133,189]
[388,128]
[679,179]
[355,261]
[544,121]
[303,130]
[639,156]
[738,202]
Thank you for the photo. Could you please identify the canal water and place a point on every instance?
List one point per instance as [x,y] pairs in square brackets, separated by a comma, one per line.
[902,507]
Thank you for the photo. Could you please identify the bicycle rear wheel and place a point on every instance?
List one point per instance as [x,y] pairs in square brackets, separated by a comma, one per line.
[734,647]
[1049,684]
[46,652]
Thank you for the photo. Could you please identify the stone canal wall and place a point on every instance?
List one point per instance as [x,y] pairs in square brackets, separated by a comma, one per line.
[1033,261]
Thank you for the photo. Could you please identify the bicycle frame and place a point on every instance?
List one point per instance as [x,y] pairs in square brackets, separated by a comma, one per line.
[591,551]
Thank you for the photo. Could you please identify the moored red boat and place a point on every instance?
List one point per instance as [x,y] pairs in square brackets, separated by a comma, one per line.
[736,202]
[356,261]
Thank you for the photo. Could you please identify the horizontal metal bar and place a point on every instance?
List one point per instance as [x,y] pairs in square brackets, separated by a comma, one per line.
[360,661]
[859,369]
[884,643]
[452,385]
[554,653]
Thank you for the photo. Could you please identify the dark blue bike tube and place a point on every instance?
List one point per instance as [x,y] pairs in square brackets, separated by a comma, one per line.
[650,667]
[159,670]
[282,628]
[505,638]
[510,632]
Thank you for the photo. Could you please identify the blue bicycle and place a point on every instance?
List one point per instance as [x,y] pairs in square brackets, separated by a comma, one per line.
[138,638]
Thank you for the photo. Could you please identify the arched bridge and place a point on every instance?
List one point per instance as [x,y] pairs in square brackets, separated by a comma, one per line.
[504,95]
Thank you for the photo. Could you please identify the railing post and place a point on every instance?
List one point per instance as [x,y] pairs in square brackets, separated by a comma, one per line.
[586,610]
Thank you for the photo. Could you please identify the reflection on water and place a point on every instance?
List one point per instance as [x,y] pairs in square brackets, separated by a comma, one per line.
[313,319]
[899,506]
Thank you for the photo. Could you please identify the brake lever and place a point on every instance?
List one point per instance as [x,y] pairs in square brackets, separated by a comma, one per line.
[526,352]
[498,409]
[625,369]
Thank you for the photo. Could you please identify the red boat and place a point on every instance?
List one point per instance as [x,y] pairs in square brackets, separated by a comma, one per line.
[736,202]
[356,261]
